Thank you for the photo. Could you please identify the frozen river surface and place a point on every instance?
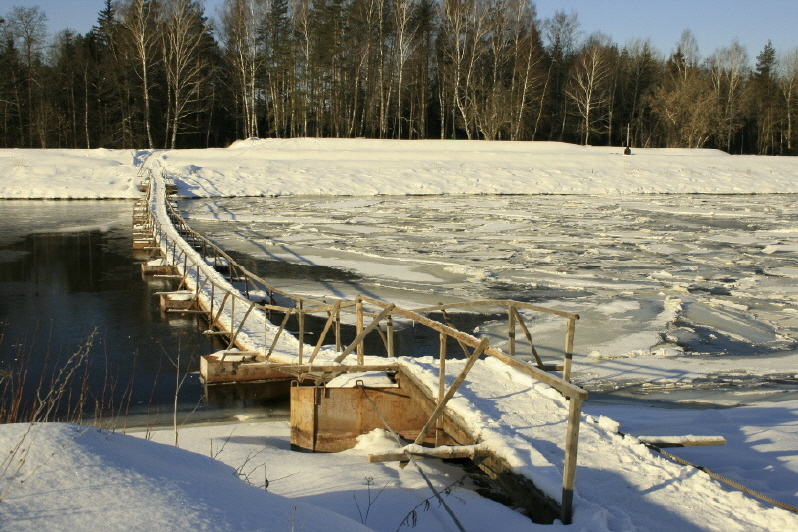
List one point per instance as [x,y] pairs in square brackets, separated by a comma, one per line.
[685,297]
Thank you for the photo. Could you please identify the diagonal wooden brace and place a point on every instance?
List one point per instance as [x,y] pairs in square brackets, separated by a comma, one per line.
[375,322]
[451,391]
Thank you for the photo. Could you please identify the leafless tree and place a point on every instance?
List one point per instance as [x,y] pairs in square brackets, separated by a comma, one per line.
[139,18]
[241,20]
[687,55]
[26,28]
[788,83]
[463,29]
[587,85]
[405,42]
[728,69]
[182,37]
[303,28]
[561,35]
[528,77]
[643,72]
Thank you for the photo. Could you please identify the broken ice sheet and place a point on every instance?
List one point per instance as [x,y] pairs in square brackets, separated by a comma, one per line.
[669,288]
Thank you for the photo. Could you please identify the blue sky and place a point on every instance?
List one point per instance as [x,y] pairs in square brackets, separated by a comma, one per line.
[714,22]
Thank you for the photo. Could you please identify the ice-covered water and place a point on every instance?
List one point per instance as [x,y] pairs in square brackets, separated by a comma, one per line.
[692,293]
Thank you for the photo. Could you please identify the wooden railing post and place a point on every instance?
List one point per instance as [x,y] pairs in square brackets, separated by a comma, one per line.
[338,344]
[442,366]
[330,319]
[569,348]
[524,328]
[359,328]
[279,332]
[232,311]
[511,329]
[389,334]
[301,320]
[210,309]
[358,341]
[451,391]
[569,467]
[441,384]
[240,326]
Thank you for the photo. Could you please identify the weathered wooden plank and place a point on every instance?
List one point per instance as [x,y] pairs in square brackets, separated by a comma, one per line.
[443,452]
[682,441]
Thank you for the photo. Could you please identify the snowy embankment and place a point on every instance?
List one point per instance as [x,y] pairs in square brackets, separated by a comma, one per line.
[69,174]
[275,167]
[68,477]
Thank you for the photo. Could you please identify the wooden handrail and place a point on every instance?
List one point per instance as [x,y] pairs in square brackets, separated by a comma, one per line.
[498,303]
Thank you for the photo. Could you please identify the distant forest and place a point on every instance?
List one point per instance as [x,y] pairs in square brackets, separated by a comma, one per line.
[160,74]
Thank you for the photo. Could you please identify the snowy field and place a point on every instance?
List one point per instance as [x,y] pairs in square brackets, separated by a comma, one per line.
[681,297]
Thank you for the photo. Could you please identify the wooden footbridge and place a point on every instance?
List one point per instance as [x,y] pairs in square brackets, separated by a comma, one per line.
[435,399]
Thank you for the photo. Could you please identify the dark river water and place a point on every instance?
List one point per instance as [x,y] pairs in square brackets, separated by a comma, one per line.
[68,276]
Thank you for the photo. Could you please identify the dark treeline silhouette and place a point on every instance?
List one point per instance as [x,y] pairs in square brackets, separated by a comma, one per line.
[159,73]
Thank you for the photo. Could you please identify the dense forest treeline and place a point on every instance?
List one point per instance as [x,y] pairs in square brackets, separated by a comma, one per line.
[160,73]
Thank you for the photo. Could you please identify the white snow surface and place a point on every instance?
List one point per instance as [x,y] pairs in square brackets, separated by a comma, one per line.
[64,477]
[69,477]
[69,174]
[364,167]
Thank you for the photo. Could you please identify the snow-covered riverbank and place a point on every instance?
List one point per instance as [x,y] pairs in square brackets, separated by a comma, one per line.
[364,167]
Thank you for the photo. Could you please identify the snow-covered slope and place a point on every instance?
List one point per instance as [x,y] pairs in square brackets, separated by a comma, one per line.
[69,174]
[67,477]
[271,167]
[373,167]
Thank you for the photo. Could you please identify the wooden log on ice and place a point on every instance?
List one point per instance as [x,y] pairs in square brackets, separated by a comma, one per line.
[443,452]
[682,441]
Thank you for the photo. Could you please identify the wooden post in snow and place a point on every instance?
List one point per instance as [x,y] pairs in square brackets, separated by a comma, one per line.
[441,383]
[569,466]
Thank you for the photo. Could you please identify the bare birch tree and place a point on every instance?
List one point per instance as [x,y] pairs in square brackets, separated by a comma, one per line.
[182,36]
[463,29]
[728,69]
[587,84]
[26,29]
[241,21]
[138,19]
[528,76]
[301,101]
[788,83]
[405,43]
